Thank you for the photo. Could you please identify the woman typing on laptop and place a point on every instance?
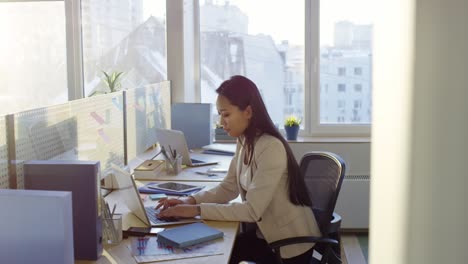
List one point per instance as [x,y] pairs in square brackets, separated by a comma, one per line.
[266,175]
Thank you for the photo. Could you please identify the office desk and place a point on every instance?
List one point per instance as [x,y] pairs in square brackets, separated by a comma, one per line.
[121,253]
[189,173]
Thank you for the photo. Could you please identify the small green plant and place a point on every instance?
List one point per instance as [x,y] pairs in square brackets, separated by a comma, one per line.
[112,80]
[292,121]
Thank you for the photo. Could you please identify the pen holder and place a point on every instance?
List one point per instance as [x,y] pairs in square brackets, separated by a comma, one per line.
[112,231]
[174,167]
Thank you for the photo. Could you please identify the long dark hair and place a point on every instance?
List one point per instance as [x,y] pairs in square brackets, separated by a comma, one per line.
[242,92]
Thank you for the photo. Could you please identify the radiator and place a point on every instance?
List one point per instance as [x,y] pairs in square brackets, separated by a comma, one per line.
[353,202]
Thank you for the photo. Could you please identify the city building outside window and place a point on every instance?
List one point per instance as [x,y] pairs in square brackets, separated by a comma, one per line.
[341,87]
[341,71]
[265,49]
[358,71]
[358,87]
[127,36]
[240,38]
[344,42]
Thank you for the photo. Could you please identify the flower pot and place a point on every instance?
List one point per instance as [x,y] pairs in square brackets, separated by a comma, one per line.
[291,132]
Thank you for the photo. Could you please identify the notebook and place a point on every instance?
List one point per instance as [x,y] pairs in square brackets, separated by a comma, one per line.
[176,140]
[188,235]
[132,199]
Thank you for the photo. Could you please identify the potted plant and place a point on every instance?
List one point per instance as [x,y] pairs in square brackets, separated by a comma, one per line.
[112,81]
[291,126]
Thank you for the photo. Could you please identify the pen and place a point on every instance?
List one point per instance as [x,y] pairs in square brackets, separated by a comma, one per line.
[163,150]
[113,211]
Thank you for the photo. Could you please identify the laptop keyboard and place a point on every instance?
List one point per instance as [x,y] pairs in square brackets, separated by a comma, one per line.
[151,213]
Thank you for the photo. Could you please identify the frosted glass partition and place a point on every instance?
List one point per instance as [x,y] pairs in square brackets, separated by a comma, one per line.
[86,129]
[4,181]
[100,129]
[40,134]
[147,108]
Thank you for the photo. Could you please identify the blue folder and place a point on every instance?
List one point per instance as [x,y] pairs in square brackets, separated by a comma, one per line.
[189,235]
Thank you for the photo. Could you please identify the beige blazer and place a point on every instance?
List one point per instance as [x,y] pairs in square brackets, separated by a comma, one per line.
[266,201]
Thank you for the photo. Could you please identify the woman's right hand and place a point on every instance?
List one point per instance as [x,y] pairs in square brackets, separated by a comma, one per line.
[169,202]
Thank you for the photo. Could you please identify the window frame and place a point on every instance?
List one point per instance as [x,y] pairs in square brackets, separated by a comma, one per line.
[191,87]
[314,128]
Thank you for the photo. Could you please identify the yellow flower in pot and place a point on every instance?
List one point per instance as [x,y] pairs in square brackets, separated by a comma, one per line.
[291,126]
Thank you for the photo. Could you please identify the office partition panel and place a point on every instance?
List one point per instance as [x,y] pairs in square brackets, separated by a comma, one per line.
[100,129]
[147,108]
[37,135]
[85,129]
[4,181]
[110,128]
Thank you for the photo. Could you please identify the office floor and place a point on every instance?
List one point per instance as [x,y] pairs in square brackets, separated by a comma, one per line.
[354,248]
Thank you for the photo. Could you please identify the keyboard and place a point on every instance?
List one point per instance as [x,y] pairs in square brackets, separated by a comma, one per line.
[151,213]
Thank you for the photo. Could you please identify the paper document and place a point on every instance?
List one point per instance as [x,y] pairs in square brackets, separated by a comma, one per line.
[148,249]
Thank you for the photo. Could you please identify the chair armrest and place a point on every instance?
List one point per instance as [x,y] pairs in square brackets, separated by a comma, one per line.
[335,224]
[298,240]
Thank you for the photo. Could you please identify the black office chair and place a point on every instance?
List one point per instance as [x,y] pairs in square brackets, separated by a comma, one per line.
[323,175]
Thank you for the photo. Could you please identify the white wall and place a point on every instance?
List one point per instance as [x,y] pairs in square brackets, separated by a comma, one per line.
[355,154]
[418,196]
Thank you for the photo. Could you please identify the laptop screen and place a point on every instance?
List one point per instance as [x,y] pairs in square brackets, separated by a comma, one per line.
[129,193]
[176,140]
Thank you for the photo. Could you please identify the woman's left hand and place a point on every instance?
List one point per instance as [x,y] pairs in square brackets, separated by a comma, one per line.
[180,210]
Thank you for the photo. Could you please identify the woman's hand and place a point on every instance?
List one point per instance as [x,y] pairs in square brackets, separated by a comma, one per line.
[170,202]
[180,210]
[166,203]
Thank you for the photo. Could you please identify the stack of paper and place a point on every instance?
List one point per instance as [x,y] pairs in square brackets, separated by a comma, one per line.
[149,249]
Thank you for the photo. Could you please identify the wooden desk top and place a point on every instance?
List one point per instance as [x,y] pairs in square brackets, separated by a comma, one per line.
[121,253]
[189,173]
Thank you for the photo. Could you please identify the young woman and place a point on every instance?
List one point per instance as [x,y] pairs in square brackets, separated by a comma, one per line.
[265,174]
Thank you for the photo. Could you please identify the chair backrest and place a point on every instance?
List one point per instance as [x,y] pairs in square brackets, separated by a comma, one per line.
[323,174]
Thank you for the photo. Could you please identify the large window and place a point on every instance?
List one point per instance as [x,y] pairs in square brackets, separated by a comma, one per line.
[33,59]
[262,40]
[127,36]
[346,43]
[295,67]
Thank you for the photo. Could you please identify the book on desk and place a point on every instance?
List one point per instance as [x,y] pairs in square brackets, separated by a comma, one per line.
[188,235]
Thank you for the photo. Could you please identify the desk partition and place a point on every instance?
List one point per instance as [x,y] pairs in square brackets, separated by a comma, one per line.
[4,181]
[147,108]
[110,128]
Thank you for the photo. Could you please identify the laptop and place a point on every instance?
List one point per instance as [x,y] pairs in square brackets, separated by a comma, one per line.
[132,199]
[176,140]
